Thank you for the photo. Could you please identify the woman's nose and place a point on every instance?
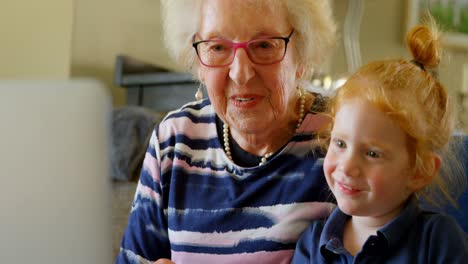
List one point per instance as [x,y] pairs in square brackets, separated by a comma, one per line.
[241,69]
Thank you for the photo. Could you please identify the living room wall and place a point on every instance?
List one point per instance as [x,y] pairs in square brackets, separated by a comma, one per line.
[103,29]
[35,39]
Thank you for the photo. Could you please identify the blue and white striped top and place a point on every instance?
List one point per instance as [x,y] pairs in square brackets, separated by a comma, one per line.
[194,205]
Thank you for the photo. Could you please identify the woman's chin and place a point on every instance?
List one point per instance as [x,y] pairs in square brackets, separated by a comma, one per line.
[250,124]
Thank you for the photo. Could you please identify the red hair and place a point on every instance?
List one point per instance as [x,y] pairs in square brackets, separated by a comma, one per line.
[410,94]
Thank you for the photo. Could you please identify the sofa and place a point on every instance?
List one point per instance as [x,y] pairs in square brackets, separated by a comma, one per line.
[131,129]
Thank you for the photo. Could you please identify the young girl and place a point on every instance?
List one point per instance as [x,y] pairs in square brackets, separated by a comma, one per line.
[392,123]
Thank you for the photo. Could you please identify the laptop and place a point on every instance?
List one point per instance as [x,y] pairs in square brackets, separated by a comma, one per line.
[54,170]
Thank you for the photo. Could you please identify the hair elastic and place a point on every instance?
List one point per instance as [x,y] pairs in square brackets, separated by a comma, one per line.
[417,63]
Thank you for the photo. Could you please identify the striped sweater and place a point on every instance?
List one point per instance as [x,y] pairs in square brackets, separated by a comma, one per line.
[193,205]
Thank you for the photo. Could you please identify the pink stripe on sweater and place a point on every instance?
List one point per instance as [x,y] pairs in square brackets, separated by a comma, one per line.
[309,210]
[207,171]
[166,164]
[148,193]
[314,122]
[150,164]
[290,221]
[191,130]
[276,257]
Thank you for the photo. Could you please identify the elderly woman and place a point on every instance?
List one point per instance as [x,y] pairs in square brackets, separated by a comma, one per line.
[236,177]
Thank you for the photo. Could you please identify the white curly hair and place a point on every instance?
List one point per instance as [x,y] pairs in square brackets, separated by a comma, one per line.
[312,20]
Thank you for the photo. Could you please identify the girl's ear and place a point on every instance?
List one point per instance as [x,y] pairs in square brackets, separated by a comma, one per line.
[420,179]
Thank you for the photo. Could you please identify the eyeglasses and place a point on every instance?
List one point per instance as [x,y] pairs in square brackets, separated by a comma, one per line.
[221,53]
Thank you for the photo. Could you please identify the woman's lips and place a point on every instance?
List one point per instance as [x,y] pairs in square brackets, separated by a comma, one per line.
[245,100]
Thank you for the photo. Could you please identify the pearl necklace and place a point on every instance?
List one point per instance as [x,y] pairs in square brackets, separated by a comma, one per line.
[265,157]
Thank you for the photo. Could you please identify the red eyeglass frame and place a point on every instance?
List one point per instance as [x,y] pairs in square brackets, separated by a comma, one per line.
[242,45]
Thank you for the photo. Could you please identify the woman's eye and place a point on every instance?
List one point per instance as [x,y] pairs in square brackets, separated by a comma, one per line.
[214,46]
[264,45]
[217,47]
[372,154]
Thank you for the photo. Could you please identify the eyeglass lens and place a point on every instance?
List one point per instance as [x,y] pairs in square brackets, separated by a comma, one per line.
[260,51]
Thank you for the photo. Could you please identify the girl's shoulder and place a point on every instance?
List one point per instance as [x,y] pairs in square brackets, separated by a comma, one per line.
[443,235]
[435,221]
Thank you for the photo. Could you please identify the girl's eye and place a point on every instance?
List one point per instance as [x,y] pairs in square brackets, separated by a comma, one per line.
[340,143]
[372,154]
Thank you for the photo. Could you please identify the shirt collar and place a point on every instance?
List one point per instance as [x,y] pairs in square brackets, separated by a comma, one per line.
[331,239]
[400,225]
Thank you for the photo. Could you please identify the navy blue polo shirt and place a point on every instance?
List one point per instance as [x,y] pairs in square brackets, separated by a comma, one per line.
[415,236]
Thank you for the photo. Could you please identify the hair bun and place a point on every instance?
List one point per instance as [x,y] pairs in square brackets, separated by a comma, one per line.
[423,43]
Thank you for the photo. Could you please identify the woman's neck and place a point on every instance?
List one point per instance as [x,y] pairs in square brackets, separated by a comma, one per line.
[260,144]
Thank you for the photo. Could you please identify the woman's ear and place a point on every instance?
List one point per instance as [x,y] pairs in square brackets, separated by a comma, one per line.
[300,72]
[421,179]
[200,74]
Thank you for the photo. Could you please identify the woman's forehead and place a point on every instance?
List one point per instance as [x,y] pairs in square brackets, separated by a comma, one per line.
[234,19]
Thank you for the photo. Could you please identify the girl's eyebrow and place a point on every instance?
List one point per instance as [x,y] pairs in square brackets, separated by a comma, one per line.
[338,134]
[380,144]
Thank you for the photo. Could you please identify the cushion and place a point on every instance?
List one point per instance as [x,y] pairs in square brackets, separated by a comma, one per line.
[131,129]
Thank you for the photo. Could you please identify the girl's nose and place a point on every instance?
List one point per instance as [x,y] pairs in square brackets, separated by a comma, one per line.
[349,165]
